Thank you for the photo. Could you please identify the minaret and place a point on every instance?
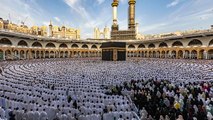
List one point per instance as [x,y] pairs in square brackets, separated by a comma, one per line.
[132,14]
[63,35]
[106,33]
[50,29]
[96,33]
[137,28]
[114,12]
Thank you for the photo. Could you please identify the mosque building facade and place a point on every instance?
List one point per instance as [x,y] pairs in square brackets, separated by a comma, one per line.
[19,42]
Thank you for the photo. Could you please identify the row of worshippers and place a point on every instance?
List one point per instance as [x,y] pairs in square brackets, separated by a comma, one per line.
[164,100]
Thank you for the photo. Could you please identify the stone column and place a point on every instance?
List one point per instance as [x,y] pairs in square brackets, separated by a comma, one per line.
[190,55]
[4,55]
[205,53]
[183,54]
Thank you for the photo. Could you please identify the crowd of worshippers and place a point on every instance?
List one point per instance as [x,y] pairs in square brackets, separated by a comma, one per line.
[63,89]
[163,100]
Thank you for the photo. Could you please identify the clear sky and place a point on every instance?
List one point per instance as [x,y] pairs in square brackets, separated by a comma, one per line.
[153,16]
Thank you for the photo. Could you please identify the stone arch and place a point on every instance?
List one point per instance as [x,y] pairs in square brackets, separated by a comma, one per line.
[16,54]
[85,46]
[63,45]
[22,43]
[74,46]
[141,46]
[131,46]
[61,54]
[66,54]
[195,42]
[201,54]
[151,45]
[94,47]
[187,54]
[52,54]
[211,43]
[37,54]
[36,44]
[180,54]
[173,54]
[150,54]
[22,54]
[5,41]
[132,54]
[163,54]
[158,54]
[163,44]
[50,45]
[82,54]
[177,44]
[210,54]
[8,54]
[86,54]
[142,54]
[42,54]
[194,54]
[33,54]
[47,53]
[154,54]
[56,54]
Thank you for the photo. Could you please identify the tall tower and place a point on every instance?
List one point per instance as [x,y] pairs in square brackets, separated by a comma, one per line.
[114,12]
[96,33]
[131,24]
[106,33]
[63,34]
[50,29]
[137,28]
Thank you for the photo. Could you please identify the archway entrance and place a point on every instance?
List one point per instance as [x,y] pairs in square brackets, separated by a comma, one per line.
[142,54]
[186,55]
[52,54]
[47,54]
[22,54]
[163,54]
[194,54]
[154,54]
[8,55]
[42,54]
[180,54]
[210,54]
[173,55]
[201,54]
[37,54]
[66,54]
[62,54]
[150,54]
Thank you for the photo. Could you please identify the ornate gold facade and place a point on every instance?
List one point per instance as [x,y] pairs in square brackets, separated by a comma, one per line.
[105,34]
[52,31]
[63,32]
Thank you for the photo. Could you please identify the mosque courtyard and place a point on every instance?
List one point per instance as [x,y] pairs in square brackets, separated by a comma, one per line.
[106,60]
[94,89]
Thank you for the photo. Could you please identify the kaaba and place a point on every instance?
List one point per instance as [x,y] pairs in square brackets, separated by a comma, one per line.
[113,51]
